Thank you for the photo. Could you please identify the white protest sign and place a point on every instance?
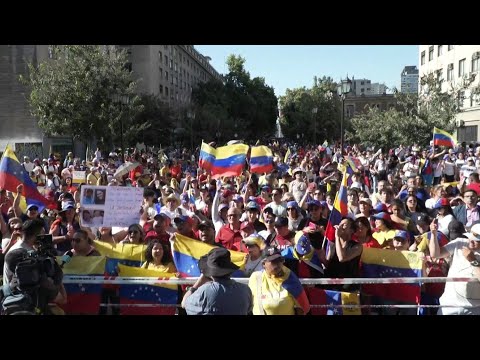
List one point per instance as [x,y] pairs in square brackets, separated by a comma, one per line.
[110,206]
[79,177]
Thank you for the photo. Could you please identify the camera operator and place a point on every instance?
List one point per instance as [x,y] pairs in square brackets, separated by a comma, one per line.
[41,285]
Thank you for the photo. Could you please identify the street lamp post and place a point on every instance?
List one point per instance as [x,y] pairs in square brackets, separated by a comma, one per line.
[191,116]
[343,90]
[123,101]
[314,118]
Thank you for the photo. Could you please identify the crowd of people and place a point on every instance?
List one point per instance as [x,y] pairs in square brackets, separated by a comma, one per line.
[395,197]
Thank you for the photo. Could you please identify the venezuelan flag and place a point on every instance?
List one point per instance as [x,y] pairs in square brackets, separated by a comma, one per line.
[261,160]
[329,297]
[126,254]
[340,209]
[229,160]
[187,252]
[13,174]
[291,283]
[207,157]
[84,299]
[383,263]
[442,138]
[164,294]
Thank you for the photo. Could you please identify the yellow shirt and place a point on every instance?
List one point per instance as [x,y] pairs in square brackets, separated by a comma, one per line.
[169,268]
[276,300]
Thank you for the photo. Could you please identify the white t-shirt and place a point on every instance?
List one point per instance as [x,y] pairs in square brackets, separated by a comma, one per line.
[381,165]
[460,293]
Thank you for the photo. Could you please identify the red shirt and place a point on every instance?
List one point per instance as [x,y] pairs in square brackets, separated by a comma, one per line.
[175,170]
[229,238]
[282,243]
[475,187]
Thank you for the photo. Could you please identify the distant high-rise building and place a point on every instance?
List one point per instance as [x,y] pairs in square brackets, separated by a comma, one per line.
[409,80]
[361,86]
[378,89]
[452,65]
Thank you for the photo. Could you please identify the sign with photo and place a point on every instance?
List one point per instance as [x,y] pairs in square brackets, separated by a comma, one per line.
[110,206]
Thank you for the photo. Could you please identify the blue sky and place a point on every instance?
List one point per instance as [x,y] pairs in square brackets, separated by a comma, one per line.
[291,66]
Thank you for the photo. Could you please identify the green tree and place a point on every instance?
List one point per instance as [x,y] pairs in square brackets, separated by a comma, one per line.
[298,112]
[238,105]
[413,119]
[73,93]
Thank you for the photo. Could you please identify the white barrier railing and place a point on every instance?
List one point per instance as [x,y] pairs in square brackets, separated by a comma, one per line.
[74,279]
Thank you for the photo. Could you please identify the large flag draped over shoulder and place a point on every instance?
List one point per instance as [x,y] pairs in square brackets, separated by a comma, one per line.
[84,298]
[187,252]
[126,254]
[164,294]
[261,160]
[443,138]
[339,210]
[329,297]
[383,263]
[291,283]
[12,174]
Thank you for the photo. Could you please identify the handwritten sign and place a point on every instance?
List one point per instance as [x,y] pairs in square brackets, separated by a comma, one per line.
[110,206]
[79,177]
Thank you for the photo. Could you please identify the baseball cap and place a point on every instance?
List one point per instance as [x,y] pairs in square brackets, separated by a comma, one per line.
[238,198]
[252,205]
[302,244]
[222,206]
[271,253]
[265,188]
[181,220]
[68,205]
[314,203]
[382,216]
[292,204]
[281,221]
[160,217]
[227,193]
[31,206]
[381,207]
[401,234]
[474,233]
[254,240]
[365,201]
[441,203]
[206,224]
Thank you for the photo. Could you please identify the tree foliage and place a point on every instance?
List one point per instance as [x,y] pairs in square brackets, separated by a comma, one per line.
[73,93]
[238,105]
[298,115]
[414,118]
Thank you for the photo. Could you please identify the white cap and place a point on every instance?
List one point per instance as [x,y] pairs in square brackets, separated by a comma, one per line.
[474,233]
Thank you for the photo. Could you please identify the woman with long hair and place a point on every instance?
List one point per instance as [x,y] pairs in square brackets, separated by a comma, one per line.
[158,257]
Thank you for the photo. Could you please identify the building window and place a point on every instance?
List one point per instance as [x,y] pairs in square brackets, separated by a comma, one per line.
[475,63]
[160,89]
[166,91]
[461,98]
[461,68]
[450,72]
[161,72]
[362,90]
[171,80]
[176,66]
[450,47]
[467,133]
[166,60]
[430,53]
[50,52]
[362,82]
[171,64]
[160,57]
[166,75]
[440,50]
[422,59]
[439,75]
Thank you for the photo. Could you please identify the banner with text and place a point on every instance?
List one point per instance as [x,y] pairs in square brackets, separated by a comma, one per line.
[110,206]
